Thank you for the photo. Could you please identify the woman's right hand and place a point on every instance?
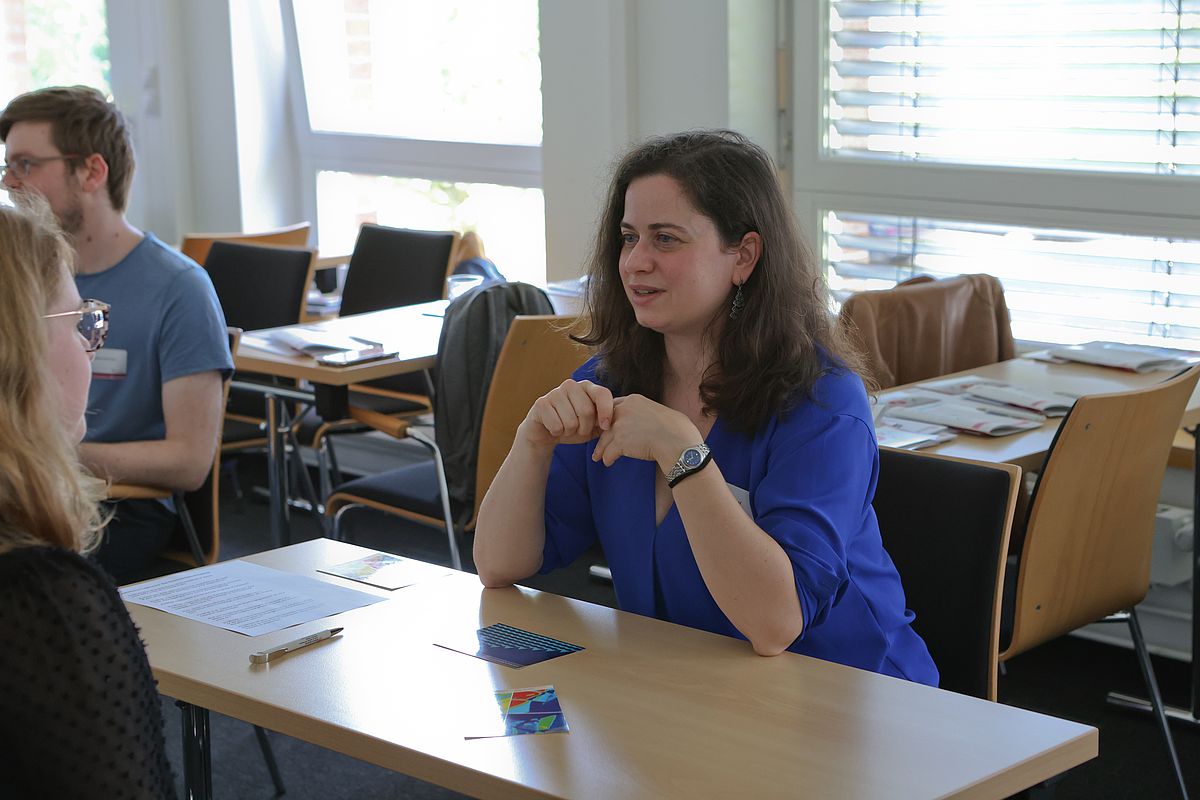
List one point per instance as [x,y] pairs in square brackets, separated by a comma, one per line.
[574,412]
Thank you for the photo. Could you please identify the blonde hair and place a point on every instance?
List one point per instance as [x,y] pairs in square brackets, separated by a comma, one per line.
[46,496]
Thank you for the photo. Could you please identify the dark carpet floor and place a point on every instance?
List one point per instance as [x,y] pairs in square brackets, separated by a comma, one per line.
[1068,678]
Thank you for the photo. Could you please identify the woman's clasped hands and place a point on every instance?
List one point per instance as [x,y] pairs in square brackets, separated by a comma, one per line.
[633,425]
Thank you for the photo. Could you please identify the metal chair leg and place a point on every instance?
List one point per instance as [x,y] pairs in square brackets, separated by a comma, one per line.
[189,529]
[1139,645]
[444,491]
[264,744]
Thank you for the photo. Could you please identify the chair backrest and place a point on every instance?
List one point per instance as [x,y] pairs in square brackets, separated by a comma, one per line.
[945,522]
[925,328]
[203,505]
[538,355]
[393,267]
[260,286]
[1086,551]
[473,335]
[196,245]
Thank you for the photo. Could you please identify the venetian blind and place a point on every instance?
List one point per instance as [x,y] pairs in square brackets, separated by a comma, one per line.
[1108,85]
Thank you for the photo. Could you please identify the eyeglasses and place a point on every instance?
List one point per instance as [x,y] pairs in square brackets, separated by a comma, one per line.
[21,166]
[93,322]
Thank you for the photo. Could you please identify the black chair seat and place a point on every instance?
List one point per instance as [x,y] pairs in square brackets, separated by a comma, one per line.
[236,430]
[310,427]
[413,487]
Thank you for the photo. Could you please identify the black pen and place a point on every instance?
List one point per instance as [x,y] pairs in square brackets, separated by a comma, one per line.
[264,656]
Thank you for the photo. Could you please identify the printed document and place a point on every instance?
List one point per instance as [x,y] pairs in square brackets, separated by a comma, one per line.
[246,598]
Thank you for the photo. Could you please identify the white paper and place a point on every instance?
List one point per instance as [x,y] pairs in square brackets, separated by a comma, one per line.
[246,598]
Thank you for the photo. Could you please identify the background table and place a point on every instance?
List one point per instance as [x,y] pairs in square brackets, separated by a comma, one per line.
[412,332]
[655,710]
[1028,450]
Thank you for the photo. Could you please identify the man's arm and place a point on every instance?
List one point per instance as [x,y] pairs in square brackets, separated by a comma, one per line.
[180,462]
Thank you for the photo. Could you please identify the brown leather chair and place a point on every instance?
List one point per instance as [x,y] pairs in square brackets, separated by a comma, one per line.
[924,328]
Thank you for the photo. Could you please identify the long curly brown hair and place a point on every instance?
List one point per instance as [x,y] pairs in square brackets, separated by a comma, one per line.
[785,336]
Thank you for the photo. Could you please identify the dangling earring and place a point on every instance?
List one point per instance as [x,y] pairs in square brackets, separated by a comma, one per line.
[738,302]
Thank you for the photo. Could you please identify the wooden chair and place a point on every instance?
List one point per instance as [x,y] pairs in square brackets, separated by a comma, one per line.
[925,328]
[1086,551]
[945,522]
[196,245]
[537,356]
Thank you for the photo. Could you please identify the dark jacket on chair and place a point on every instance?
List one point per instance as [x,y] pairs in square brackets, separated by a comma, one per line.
[472,337]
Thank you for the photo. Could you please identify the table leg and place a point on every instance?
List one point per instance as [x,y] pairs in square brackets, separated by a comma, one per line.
[1190,716]
[197,752]
[276,477]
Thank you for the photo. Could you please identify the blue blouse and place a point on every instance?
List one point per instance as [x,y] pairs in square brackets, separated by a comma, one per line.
[810,475]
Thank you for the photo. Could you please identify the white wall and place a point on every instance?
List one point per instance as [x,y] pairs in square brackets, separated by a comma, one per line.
[616,72]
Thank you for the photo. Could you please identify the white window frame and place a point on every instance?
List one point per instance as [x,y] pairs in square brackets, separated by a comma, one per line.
[1138,204]
[395,156]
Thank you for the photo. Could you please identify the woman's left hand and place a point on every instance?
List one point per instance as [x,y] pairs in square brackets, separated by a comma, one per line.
[645,430]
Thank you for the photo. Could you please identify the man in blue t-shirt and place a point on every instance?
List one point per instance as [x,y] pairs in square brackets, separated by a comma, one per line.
[154,411]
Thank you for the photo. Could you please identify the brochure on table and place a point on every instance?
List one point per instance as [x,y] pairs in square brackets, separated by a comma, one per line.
[1129,357]
[923,405]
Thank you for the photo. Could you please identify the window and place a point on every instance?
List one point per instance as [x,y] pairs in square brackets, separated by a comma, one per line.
[1065,286]
[1095,84]
[1054,145]
[423,115]
[52,43]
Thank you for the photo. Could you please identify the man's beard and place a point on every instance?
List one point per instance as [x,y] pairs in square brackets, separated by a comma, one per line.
[70,219]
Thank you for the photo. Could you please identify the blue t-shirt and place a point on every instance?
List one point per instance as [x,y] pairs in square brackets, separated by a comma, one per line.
[810,475]
[165,323]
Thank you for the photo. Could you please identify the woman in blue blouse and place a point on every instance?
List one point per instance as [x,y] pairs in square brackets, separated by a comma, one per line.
[720,446]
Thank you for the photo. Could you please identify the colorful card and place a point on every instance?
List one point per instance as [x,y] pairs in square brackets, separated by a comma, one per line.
[386,570]
[512,647]
[525,711]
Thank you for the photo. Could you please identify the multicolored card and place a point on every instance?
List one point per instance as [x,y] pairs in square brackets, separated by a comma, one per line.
[512,647]
[523,711]
[386,570]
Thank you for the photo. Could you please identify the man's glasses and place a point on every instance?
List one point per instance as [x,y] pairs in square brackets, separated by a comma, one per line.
[93,322]
[20,167]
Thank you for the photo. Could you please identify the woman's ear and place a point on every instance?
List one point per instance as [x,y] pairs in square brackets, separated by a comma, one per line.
[748,253]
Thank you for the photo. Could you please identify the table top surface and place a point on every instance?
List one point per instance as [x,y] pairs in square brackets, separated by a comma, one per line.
[1028,448]
[655,709]
[412,332]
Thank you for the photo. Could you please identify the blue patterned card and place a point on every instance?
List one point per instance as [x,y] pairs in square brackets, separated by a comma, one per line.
[512,647]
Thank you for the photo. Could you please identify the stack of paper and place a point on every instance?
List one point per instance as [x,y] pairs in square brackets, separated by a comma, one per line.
[961,414]
[1133,358]
[908,435]
[1005,398]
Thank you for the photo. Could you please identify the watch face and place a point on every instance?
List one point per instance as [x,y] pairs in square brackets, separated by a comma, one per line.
[692,457]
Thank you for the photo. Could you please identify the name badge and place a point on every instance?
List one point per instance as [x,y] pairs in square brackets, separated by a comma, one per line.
[743,498]
[109,364]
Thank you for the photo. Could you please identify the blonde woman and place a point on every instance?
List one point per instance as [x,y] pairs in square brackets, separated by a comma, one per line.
[79,713]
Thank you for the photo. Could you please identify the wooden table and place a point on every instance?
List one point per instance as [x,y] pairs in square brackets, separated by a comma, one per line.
[655,710]
[412,332]
[1028,450]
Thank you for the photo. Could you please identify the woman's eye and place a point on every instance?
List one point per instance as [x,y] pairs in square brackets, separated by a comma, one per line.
[629,239]
[666,238]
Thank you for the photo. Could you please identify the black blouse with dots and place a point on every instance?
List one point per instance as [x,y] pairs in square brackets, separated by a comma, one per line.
[79,712]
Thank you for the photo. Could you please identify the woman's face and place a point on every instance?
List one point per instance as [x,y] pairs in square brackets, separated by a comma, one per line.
[676,272]
[70,363]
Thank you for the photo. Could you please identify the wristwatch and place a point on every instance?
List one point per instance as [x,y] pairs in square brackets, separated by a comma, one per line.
[691,460]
